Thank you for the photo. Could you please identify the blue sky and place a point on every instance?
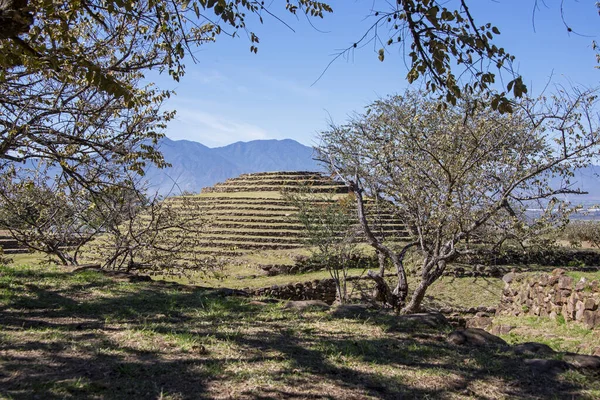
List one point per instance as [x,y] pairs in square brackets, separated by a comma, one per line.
[233,95]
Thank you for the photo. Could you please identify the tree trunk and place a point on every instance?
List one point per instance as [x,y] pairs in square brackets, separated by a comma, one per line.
[381,258]
[432,271]
[417,297]
[401,291]
[384,294]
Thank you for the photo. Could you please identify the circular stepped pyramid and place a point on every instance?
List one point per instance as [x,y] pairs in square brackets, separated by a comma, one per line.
[247,213]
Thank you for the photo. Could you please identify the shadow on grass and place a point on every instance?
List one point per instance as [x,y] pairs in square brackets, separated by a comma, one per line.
[117,340]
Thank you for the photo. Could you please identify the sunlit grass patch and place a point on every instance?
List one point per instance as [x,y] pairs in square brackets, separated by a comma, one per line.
[90,336]
[557,334]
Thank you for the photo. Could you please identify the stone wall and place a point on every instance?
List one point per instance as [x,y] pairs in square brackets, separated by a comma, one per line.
[553,256]
[552,295]
[318,289]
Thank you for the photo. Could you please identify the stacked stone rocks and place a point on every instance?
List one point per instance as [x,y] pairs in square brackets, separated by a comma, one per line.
[318,289]
[552,295]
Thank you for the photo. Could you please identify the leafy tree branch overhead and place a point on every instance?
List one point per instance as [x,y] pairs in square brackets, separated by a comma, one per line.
[449,48]
[95,53]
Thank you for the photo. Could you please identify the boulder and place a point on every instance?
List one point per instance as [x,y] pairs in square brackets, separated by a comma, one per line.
[479,322]
[532,348]
[590,304]
[352,311]
[432,320]
[583,361]
[257,303]
[302,305]
[508,278]
[581,285]
[541,366]
[565,282]
[474,337]
[590,319]
[502,329]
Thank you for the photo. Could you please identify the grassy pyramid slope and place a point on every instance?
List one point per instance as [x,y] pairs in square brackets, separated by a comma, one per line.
[248,213]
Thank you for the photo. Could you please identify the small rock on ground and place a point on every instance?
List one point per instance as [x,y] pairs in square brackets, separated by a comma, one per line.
[474,337]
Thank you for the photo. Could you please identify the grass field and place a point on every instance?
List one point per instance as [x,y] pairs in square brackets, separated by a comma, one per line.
[78,335]
[67,334]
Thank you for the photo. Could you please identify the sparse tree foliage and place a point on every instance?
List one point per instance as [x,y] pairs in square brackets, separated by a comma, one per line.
[49,219]
[455,55]
[451,172]
[579,232]
[329,222]
[448,48]
[152,236]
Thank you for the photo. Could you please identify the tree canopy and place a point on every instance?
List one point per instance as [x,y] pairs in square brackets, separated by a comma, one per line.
[448,48]
[451,172]
[71,72]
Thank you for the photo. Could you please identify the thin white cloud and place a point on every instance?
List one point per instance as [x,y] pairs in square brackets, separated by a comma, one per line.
[211,129]
[206,77]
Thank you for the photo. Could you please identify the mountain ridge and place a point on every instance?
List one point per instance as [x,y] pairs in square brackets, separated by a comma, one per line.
[195,166]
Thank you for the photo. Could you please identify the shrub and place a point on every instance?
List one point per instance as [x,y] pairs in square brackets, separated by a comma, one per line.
[577,232]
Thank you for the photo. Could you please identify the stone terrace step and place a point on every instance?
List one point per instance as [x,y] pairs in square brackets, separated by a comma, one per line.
[281,181]
[253,224]
[251,213]
[9,243]
[232,245]
[214,200]
[260,230]
[273,188]
[250,238]
[242,206]
[281,173]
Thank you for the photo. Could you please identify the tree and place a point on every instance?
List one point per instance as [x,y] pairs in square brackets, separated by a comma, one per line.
[450,172]
[154,236]
[118,227]
[71,73]
[330,228]
[48,219]
[74,111]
